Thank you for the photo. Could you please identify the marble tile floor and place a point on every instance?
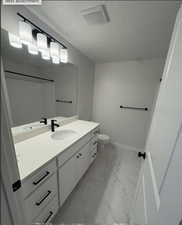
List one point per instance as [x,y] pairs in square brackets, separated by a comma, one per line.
[104,195]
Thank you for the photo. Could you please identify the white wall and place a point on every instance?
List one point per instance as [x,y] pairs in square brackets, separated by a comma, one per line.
[9,22]
[131,83]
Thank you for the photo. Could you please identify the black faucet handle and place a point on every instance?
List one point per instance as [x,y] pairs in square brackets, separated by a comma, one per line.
[44,120]
[52,121]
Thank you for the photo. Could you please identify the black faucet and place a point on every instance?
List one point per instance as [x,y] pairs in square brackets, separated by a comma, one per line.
[44,120]
[53,125]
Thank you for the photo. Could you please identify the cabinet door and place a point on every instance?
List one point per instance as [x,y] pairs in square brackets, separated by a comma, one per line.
[67,179]
[72,171]
[82,163]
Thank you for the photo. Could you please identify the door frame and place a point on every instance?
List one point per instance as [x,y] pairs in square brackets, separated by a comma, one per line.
[9,167]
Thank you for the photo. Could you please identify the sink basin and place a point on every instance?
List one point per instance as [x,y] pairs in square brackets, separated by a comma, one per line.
[64,134]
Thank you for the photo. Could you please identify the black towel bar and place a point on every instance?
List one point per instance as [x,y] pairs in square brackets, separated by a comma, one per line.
[135,108]
[63,101]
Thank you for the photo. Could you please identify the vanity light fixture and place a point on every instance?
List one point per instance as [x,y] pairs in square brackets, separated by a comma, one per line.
[64,55]
[14,40]
[37,40]
[25,32]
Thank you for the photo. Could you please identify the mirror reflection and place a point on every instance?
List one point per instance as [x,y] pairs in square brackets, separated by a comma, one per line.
[36,87]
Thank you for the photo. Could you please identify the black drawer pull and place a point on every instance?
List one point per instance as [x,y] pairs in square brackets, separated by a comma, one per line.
[80,154]
[42,178]
[77,156]
[96,132]
[46,195]
[49,216]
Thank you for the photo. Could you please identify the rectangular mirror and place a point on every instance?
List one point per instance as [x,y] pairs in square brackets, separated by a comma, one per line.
[36,87]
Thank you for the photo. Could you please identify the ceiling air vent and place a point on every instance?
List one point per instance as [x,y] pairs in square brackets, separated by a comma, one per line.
[96,15]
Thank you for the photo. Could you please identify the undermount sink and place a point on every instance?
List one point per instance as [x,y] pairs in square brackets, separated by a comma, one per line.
[64,134]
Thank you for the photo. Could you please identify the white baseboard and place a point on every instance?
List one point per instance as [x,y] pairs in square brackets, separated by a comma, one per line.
[126,147]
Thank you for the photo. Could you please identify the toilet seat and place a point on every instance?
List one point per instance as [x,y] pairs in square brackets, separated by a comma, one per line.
[103,138]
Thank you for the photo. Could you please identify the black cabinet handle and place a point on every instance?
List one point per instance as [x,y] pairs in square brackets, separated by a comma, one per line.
[46,195]
[42,178]
[77,156]
[143,155]
[49,216]
[96,132]
[80,154]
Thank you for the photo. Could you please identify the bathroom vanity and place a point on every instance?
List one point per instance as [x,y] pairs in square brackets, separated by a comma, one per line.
[51,164]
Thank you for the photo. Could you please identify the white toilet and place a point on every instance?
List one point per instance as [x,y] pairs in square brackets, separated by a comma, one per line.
[103,139]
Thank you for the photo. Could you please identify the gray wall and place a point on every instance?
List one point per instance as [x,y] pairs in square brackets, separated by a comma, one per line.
[5,212]
[131,83]
[9,22]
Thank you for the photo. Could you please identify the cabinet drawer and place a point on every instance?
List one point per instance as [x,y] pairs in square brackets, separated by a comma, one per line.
[34,181]
[48,212]
[40,197]
[73,149]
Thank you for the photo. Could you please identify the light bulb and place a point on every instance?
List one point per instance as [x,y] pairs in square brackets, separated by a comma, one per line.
[45,54]
[25,32]
[54,49]
[64,55]
[32,48]
[55,60]
[41,42]
[14,41]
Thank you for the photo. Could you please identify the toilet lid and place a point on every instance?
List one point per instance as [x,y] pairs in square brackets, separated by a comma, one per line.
[103,137]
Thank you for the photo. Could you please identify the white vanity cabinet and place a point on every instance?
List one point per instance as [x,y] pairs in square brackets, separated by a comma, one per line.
[72,170]
[47,188]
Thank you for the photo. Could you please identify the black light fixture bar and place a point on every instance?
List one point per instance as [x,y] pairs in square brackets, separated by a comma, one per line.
[40,29]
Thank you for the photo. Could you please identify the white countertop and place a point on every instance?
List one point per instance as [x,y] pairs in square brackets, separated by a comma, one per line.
[36,151]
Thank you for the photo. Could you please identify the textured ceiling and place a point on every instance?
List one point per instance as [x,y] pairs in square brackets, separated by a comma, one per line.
[137,29]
